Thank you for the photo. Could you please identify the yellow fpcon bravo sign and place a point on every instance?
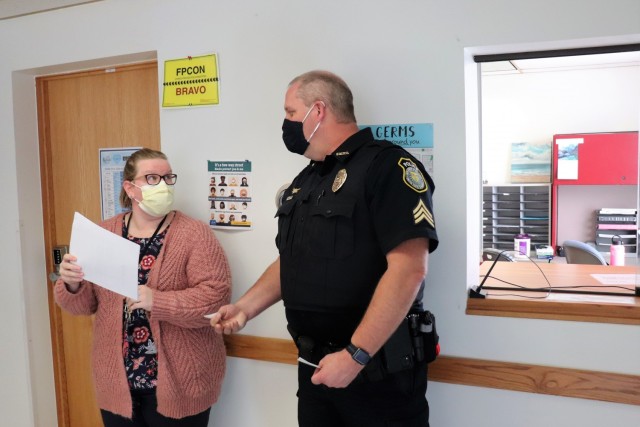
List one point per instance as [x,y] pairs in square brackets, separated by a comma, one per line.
[190,81]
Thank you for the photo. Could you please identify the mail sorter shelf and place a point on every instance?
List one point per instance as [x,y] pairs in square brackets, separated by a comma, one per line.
[508,210]
[622,223]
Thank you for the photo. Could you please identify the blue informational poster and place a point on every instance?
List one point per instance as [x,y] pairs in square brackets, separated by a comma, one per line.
[416,138]
[112,161]
[415,135]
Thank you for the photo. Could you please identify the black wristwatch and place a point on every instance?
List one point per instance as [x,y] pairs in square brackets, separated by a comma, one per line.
[359,355]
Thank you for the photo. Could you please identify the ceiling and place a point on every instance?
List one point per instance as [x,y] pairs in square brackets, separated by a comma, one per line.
[580,62]
[15,8]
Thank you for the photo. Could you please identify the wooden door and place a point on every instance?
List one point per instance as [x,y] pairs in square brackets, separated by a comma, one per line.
[78,114]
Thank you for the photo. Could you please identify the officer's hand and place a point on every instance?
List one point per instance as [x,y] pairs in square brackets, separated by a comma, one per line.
[228,320]
[336,370]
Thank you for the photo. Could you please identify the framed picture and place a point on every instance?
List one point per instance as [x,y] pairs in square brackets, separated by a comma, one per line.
[530,163]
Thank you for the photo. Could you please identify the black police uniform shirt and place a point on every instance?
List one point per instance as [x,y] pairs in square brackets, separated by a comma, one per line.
[338,220]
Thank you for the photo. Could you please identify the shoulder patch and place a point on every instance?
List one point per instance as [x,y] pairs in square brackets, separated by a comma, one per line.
[412,176]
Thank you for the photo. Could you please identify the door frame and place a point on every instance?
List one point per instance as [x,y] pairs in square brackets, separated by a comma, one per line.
[47,219]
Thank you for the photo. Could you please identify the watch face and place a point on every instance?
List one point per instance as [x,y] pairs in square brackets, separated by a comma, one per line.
[359,355]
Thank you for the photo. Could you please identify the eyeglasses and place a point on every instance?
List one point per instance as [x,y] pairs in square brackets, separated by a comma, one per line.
[154,178]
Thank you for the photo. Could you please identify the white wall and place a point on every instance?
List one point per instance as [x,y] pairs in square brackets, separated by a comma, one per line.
[533,107]
[406,62]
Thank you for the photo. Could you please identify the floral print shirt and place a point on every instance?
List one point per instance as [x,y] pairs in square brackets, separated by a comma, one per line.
[138,346]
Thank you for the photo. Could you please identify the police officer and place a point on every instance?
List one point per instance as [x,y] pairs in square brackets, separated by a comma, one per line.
[354,232]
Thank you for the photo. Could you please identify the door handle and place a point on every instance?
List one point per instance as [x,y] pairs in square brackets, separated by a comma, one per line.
[58,253]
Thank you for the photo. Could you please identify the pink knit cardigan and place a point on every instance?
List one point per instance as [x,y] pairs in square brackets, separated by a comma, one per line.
[190,278]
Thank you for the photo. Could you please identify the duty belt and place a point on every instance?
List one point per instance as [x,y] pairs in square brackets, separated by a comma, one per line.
[414,342]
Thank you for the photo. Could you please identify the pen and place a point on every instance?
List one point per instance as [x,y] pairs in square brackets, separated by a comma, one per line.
[306,362]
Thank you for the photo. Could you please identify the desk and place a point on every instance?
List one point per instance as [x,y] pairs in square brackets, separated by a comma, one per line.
[530,276]
[623,308]
[629,259]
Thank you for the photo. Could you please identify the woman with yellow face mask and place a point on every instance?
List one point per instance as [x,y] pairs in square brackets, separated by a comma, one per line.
[156,361]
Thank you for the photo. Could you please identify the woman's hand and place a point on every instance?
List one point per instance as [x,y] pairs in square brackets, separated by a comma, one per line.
[145,299]
[70,272]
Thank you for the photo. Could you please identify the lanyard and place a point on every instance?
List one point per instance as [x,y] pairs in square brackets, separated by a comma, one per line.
[143,251]
[145,248]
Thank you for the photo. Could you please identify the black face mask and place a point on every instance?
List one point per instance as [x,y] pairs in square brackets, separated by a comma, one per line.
[293,137]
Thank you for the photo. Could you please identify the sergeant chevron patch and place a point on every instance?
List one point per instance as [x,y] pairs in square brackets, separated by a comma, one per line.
[422,213]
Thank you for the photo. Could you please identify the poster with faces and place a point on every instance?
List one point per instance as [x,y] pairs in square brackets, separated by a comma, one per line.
[230,184]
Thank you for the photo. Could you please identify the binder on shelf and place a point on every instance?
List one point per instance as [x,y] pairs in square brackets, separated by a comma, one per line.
[623,235]
[617,211]
[617,218]
[629,250]
[617,227]
[605,239]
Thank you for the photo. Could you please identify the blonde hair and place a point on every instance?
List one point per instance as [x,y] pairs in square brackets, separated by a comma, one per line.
[131,170]
[327,87]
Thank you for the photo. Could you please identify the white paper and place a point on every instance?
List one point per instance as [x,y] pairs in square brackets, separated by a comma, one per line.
[568,157]
[106,259]
[616,279]
[567,169]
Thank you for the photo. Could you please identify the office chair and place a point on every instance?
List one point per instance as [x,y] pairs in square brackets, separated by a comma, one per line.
[578,252]
[490,254]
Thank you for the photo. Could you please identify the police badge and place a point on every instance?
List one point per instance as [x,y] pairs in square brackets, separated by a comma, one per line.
[340,178]
[412,176]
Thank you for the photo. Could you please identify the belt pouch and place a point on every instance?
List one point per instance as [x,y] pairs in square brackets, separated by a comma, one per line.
[306,346]
[397,352]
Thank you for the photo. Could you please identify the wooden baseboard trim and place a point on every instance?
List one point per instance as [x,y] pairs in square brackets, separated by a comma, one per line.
[594,385]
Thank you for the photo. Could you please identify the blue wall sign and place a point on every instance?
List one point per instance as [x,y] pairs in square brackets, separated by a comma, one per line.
[413,135]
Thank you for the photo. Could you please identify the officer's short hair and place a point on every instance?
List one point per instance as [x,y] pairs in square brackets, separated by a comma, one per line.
[319,85]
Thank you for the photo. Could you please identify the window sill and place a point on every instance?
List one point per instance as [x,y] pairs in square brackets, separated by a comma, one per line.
[583,308]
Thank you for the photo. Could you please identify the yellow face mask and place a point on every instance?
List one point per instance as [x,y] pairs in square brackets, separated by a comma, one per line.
[157,200]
